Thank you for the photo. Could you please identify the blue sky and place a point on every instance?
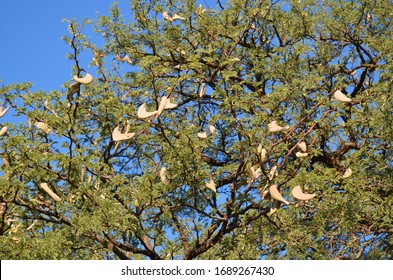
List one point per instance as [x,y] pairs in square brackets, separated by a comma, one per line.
[31,48]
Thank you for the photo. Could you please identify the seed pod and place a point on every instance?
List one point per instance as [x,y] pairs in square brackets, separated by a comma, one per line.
[118,136]
[142,113]
[298,194]
[47,189]
[211,185]
[341,96]
[276,194]
[85,80]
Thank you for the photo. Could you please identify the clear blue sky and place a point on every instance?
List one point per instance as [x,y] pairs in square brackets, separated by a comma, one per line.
[31,49]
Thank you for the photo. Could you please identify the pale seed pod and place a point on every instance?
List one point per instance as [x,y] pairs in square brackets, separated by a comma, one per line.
[85,80]
[3,130]
[338,95]
[211,185]
[47,189]
[298,194]
[276,194]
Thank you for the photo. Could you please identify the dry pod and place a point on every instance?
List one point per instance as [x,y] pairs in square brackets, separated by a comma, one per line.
[3,130]
[274,127]
[142,113]
[211,185]
[126,58]
[3,112]
[298,194]
[176,16]
[118,136]
[276,194]
[85,80]
[255,173]
[167,16]
[273,172]
[262,153]
[163,175]
[47,189]
[341,96]
[44,127]
[301,155]
[202,90]
[303,146]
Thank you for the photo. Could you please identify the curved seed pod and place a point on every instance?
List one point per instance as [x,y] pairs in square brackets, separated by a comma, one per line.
[211,185]
[3,130]
[142,113]
[202,90]
[255,173]
[162,105]
[3,112]
[262,153]
[303,146]
[298,194]
[46,188]
[44,127]
[301,155]
[176,16]
[118,136]
[126,58]
[341,96]
[347,173]
[274,127]
[163,175]
[167,16]
[85,80]
[273,172]
[207,133]
[276,194]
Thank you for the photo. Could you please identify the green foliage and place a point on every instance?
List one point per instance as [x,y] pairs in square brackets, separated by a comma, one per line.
[260,61]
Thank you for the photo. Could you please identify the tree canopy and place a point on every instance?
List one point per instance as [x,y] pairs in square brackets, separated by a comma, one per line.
[240,130]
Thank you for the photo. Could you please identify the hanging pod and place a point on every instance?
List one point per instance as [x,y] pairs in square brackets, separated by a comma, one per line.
[301,155]
[47,189]
[276,194]
[298,194]
[43,126]
[303,146]
[211,185]
[117,135]
[142,113]
[163,175]
[274,127]
[262,153]
[338,95]
[85,80]
[3,130]
[3,112]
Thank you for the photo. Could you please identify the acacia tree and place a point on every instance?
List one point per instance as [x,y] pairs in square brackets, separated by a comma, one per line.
[199,123]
